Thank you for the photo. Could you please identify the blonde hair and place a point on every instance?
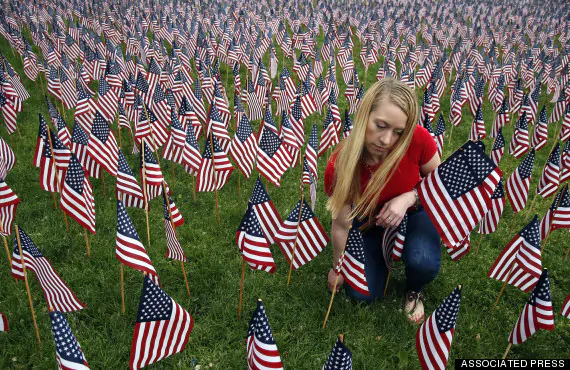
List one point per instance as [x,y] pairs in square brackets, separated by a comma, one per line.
[347,166]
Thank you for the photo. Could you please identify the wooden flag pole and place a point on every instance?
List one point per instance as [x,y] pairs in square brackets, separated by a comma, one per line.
[87,242]
[28,286]
[144,192]
[387,281]
[215,178]
[120,138]
[341,338]
[296,238]
[532,204]
[503,289]
[194,187]
[7,251]
[512,223]
[176,235]
[122,289]
[54,201]
[239,184]
[550,227]
[56,175]
[507,351]
[450,134]
[172,172]
[567,253]
[332,297]
[479,245]
[241,288]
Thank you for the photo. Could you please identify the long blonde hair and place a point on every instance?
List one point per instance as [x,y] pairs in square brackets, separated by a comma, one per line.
[347,166]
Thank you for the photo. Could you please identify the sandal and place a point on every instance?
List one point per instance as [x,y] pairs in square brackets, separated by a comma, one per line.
[415,297]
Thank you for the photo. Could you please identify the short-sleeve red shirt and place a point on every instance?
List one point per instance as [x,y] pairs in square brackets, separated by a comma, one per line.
[406,176]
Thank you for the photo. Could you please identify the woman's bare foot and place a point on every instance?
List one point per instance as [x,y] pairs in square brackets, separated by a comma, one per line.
[414,306]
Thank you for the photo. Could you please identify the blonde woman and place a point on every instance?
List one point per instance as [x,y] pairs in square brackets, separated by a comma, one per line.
[372,176]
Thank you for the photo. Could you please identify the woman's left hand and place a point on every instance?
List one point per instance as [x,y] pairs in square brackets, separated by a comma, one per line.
[395,209]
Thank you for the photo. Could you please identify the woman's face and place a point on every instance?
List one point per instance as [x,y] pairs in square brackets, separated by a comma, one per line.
[386,125]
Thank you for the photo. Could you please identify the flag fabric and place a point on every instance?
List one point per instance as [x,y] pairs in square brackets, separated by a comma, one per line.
[68,352]
[498,147]
[265,210]
[4,322]
[79,146]
[546,222]
[434,336]
[273,159]
[215,168]
[340,357]
[162,328]
[77,196]
[302,232]
[397,242]
[549,180]
[478,127]
[520,145]
[457,194]
[8,204]
[129,249]
[253,244]
[262,352]
[56,292]
[565,307]
[150,169]
[42,135]
[536,314]
[439,133]
[459,251]
[561,217]
[519,183]
[351,266]
[244,147]
[540,134]
[172,220]
[102,145]
[565,163]
[174,148]
[128,189]
[191,152]
[520,262]
[489,223]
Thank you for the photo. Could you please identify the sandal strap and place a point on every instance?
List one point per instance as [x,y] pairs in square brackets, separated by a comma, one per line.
[414,296]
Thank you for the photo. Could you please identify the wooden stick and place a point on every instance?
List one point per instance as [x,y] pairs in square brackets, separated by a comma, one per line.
[194,187]
[502,289]
[567,253]
[296,238]
[7,252]
[531,205]
[120,138]
[175,234]
[341,338]
[54,201]
[28,286]
[512,223]
[172,172]
[239,185]
[122,289]
[87,243]
[57,182]
[331,302]
[144,192]
[215,178]
[387,281]
[450,134]
[241,288]
[507,351]
[479,244]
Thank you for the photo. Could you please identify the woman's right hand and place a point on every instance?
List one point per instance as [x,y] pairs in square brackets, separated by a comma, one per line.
[332,278]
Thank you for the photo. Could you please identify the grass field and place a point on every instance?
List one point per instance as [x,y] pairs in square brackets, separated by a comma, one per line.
[378,334]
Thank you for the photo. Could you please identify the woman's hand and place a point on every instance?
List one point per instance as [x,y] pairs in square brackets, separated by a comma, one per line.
[395,209]
[332,278]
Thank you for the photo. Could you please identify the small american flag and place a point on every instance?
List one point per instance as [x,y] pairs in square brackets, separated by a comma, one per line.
[265,211]
[79,145]
[273,159]
[399,239]
[8,204]
[129,249]
[262,352]
[340,358]
[329,137]
[107,100]
[536,314]
[439,134]
[498,147]
[61,153]
[520,145]
[434,337]
[215,168]
[459,251]
[346,125]
[519,182]
[549,181]
[191,153]
[253,244]
[150,168]
[565,163]
[172,220]
[540,134]
[546,222]
[4,322]
[561,217]
[457,194]
[489,223]
[478,127]
[42,135]
[102,144]
[520,262]
[56,292]
[216,125]
[244,147]
[77,196]
[566,307]
[162,328]
[305,231]
[351,267]
[68,352]
[173,150]
[501,119]
[128,189]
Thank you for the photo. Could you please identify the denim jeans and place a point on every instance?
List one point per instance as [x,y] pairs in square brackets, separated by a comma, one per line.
[421,257]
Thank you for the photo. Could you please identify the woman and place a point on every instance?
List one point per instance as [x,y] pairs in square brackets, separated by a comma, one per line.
[372,176]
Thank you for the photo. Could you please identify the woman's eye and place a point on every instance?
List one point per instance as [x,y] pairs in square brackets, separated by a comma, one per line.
[399,133]
[380,126]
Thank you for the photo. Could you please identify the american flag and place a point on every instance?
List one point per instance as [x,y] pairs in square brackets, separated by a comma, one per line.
[262,352]
[478,127]
[79,145]
[4,322]
[61,153]
[63,132]
[520,142]
[546,221]
[489,223]
[85,108]
[107,100]
[536,314]
[455,112]
[329,136]
[218,127]
[42,135]
[191,153]
[68,352]
[498,147]
[559,108]
[457,194]
[565,163]
[501,119]
[77,196]
[549,181]
[265,211]
[102,145]
[244,147]
[56,293]
[302,232]
[9,113]
[8,204]
[252,242]
[150,169]
[439,134]
[520,262]
[162,328]
[565,307]
[565,129]
[340,358]
[161,107]
[215,169]
[434,336]
[128,189]
[197,101]
[561,217]
[273,159]
[346,125]
[351,266]
[297,121]
[174,148]
[519,182]
[172,220]
[399,239]
[540,134]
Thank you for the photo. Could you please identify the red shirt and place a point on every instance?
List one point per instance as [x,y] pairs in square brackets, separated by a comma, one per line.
[406,176]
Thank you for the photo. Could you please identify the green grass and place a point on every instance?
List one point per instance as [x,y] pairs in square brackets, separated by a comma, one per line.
[378,334]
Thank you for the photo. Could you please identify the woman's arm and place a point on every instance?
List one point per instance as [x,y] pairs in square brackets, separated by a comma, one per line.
[339,233]
[430,165]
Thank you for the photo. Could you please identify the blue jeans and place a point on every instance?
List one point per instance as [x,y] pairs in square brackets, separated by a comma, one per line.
[421,256]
